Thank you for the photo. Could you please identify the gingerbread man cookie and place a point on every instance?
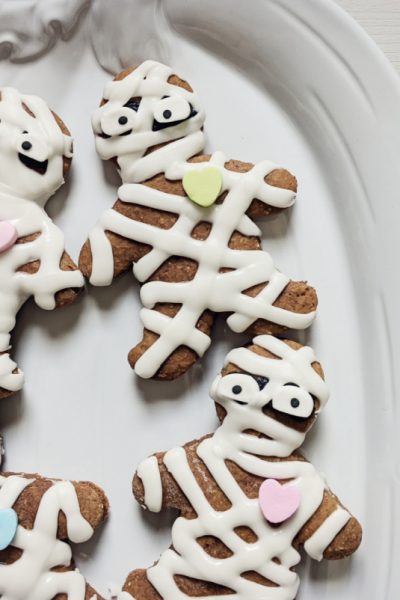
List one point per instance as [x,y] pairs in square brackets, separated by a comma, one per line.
[35,151]
[38,517]
[185,221]
[248,500]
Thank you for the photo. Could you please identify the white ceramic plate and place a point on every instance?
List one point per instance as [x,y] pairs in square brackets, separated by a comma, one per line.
[301,84]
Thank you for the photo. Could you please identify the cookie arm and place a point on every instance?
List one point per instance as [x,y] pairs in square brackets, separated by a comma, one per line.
[280,178]
[113,253]
[332,532]
[154,487]
[65,295]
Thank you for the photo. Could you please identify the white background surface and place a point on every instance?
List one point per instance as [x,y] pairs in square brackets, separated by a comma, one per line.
[328,112]
[381,19]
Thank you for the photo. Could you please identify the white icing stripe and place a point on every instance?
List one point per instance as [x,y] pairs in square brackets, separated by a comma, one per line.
[31,576]
[11,488]
[326,533]
[149,473]
[144,110]
[272,555]
[36,137]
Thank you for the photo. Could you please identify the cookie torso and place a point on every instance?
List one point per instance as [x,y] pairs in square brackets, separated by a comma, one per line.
[184,254]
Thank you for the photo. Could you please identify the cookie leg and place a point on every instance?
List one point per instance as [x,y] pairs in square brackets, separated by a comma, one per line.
[297,297]
[139,587]
[179,361]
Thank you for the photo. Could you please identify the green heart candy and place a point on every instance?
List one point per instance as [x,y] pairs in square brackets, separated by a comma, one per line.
[204,186]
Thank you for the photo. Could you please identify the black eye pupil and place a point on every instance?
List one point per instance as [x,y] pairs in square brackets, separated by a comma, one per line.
[167,114]
[133,104]
[237,389]
[295,403]
[26,145]
[123,120]
[261,381]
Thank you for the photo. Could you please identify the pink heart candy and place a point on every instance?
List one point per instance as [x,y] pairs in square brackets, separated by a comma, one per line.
[8,235]
[278,502]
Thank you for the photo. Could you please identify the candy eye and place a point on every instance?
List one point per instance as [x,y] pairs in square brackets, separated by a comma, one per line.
[293,400]
[238,387]
[170,111]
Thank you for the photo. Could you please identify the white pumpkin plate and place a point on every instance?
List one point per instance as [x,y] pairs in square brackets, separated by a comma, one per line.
[296,82]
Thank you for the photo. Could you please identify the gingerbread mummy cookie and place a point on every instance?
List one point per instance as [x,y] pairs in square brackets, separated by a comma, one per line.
[248,500]
[35,153]
[38,519]
[185,221]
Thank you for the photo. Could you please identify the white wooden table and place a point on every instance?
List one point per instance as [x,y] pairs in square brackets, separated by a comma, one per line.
[381,19]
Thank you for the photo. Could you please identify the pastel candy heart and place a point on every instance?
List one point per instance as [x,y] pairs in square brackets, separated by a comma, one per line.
[278,502]
[8,235]
[203,187]
[8,526]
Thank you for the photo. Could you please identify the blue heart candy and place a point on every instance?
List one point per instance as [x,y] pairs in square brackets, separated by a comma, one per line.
[8,526]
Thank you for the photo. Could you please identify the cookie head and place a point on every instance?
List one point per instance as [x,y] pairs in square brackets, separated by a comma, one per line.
[269,395]
[35,147]
[141,109]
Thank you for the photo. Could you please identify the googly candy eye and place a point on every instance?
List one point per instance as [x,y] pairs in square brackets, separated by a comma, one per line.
[292,400]
[171,109]
[238,387]
[116,120]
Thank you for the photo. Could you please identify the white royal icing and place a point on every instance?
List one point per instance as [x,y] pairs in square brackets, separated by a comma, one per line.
[31,577]
[209,289]
[149,473]
[23,195]
[186,557]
